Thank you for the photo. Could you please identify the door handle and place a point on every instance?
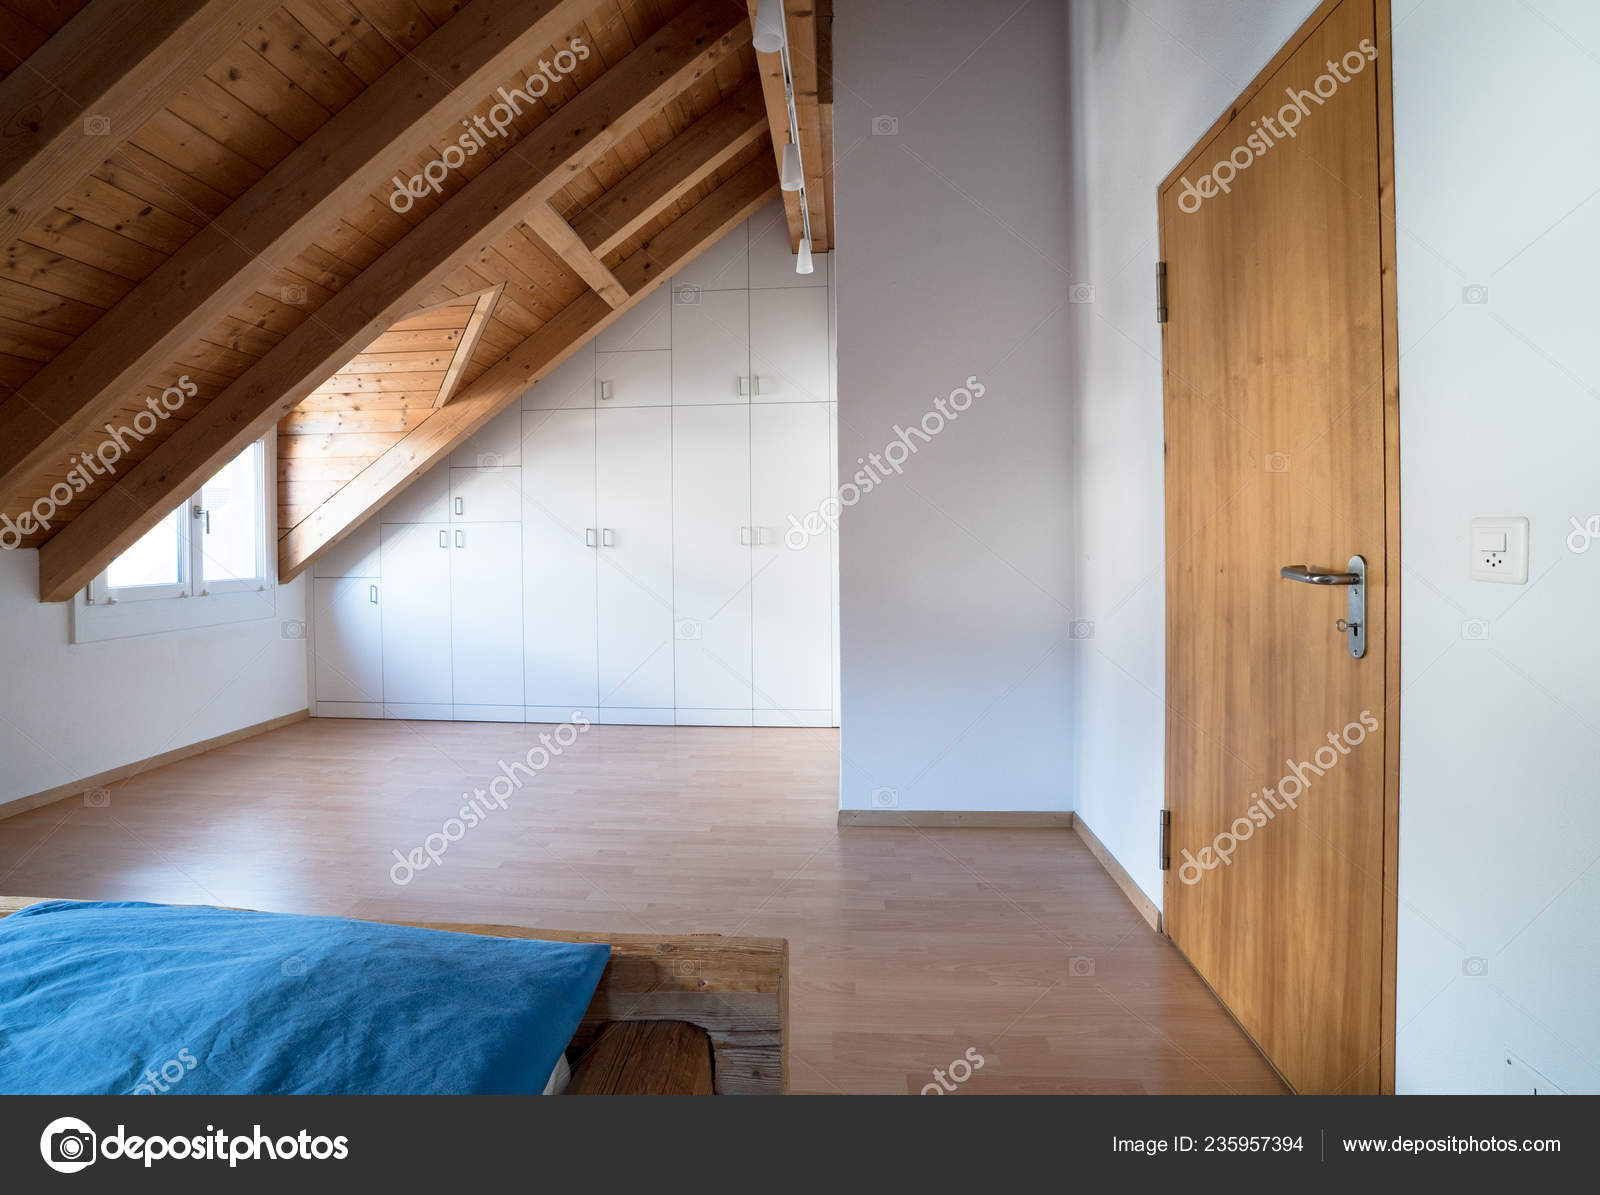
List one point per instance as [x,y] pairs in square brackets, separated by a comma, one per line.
[608,539]
[372,594]
[588,537]
[1353,626]
[1318,576]
[201,512]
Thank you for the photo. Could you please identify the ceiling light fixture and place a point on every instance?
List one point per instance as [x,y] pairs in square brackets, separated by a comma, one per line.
[768,33]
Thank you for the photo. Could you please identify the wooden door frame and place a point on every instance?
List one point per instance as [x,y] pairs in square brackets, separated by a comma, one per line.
[1391,439]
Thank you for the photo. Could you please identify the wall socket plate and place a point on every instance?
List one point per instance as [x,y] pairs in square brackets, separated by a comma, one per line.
[1500,550]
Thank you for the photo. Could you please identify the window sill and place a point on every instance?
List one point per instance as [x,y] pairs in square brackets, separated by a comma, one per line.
[124,620]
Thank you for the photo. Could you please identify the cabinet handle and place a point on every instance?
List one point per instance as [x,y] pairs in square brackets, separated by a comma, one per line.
[744,537]
[607,538]
[461,539]
[458,507]
[744,384]
[605,390]
[444,539]
[755,383]
[763,536]
[588,537]
[372,594]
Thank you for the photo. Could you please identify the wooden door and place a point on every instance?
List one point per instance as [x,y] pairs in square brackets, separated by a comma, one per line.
[1279,394]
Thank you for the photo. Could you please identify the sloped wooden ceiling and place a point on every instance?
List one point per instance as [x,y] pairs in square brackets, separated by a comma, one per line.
[226,245]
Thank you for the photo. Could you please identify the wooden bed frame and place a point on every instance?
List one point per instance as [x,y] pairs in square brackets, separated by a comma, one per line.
[736,989]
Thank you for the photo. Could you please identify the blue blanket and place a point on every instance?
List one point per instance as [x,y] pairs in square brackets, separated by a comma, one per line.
[112,998]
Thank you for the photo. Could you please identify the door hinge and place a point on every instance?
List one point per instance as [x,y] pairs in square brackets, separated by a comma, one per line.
[1166,840]
[1161,292]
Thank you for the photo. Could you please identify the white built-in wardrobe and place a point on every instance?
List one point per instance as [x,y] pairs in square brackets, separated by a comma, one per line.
[617,546]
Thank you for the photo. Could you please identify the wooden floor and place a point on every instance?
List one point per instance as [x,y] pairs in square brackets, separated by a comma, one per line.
[908,946]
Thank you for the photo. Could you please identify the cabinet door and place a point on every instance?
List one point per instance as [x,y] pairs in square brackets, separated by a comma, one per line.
[711,542]
[489,495]
[792,587]
[558,563]
[634,490]
[497,444]
[349,639]
[425,500]
[789,345]
[356,555]
[486,614]
[710,347]
[571,385]
[634,379]
[415,607]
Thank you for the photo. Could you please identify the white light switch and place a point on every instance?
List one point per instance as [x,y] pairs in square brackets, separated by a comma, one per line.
[1500,550]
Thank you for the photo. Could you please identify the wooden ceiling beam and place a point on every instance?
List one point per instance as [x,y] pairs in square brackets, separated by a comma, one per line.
[530,172]
[559,238]
[808,24]
[107,72]
[678,244]
[416,102]
[482,310]
[672,171]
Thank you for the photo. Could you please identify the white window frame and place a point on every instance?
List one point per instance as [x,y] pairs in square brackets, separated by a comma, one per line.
[103,611]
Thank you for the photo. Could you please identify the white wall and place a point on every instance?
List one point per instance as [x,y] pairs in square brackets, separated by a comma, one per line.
[1147,80]
[69,711]
[956,575]
[1498,183]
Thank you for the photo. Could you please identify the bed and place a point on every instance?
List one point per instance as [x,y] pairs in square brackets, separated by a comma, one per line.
[660,1004]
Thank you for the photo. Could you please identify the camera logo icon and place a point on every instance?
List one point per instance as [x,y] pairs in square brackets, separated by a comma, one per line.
[1475,966]
[686,295]
[885,126]
[885,798]
[67,1145]
[1277,462]
[1475,293]
[1082,628]
[96,126]
[1081,292]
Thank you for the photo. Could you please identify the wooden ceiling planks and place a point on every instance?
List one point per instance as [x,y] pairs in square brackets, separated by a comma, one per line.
[245,112]
[484,210]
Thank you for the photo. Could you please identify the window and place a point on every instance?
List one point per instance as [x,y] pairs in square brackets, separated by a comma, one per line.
[216,546]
